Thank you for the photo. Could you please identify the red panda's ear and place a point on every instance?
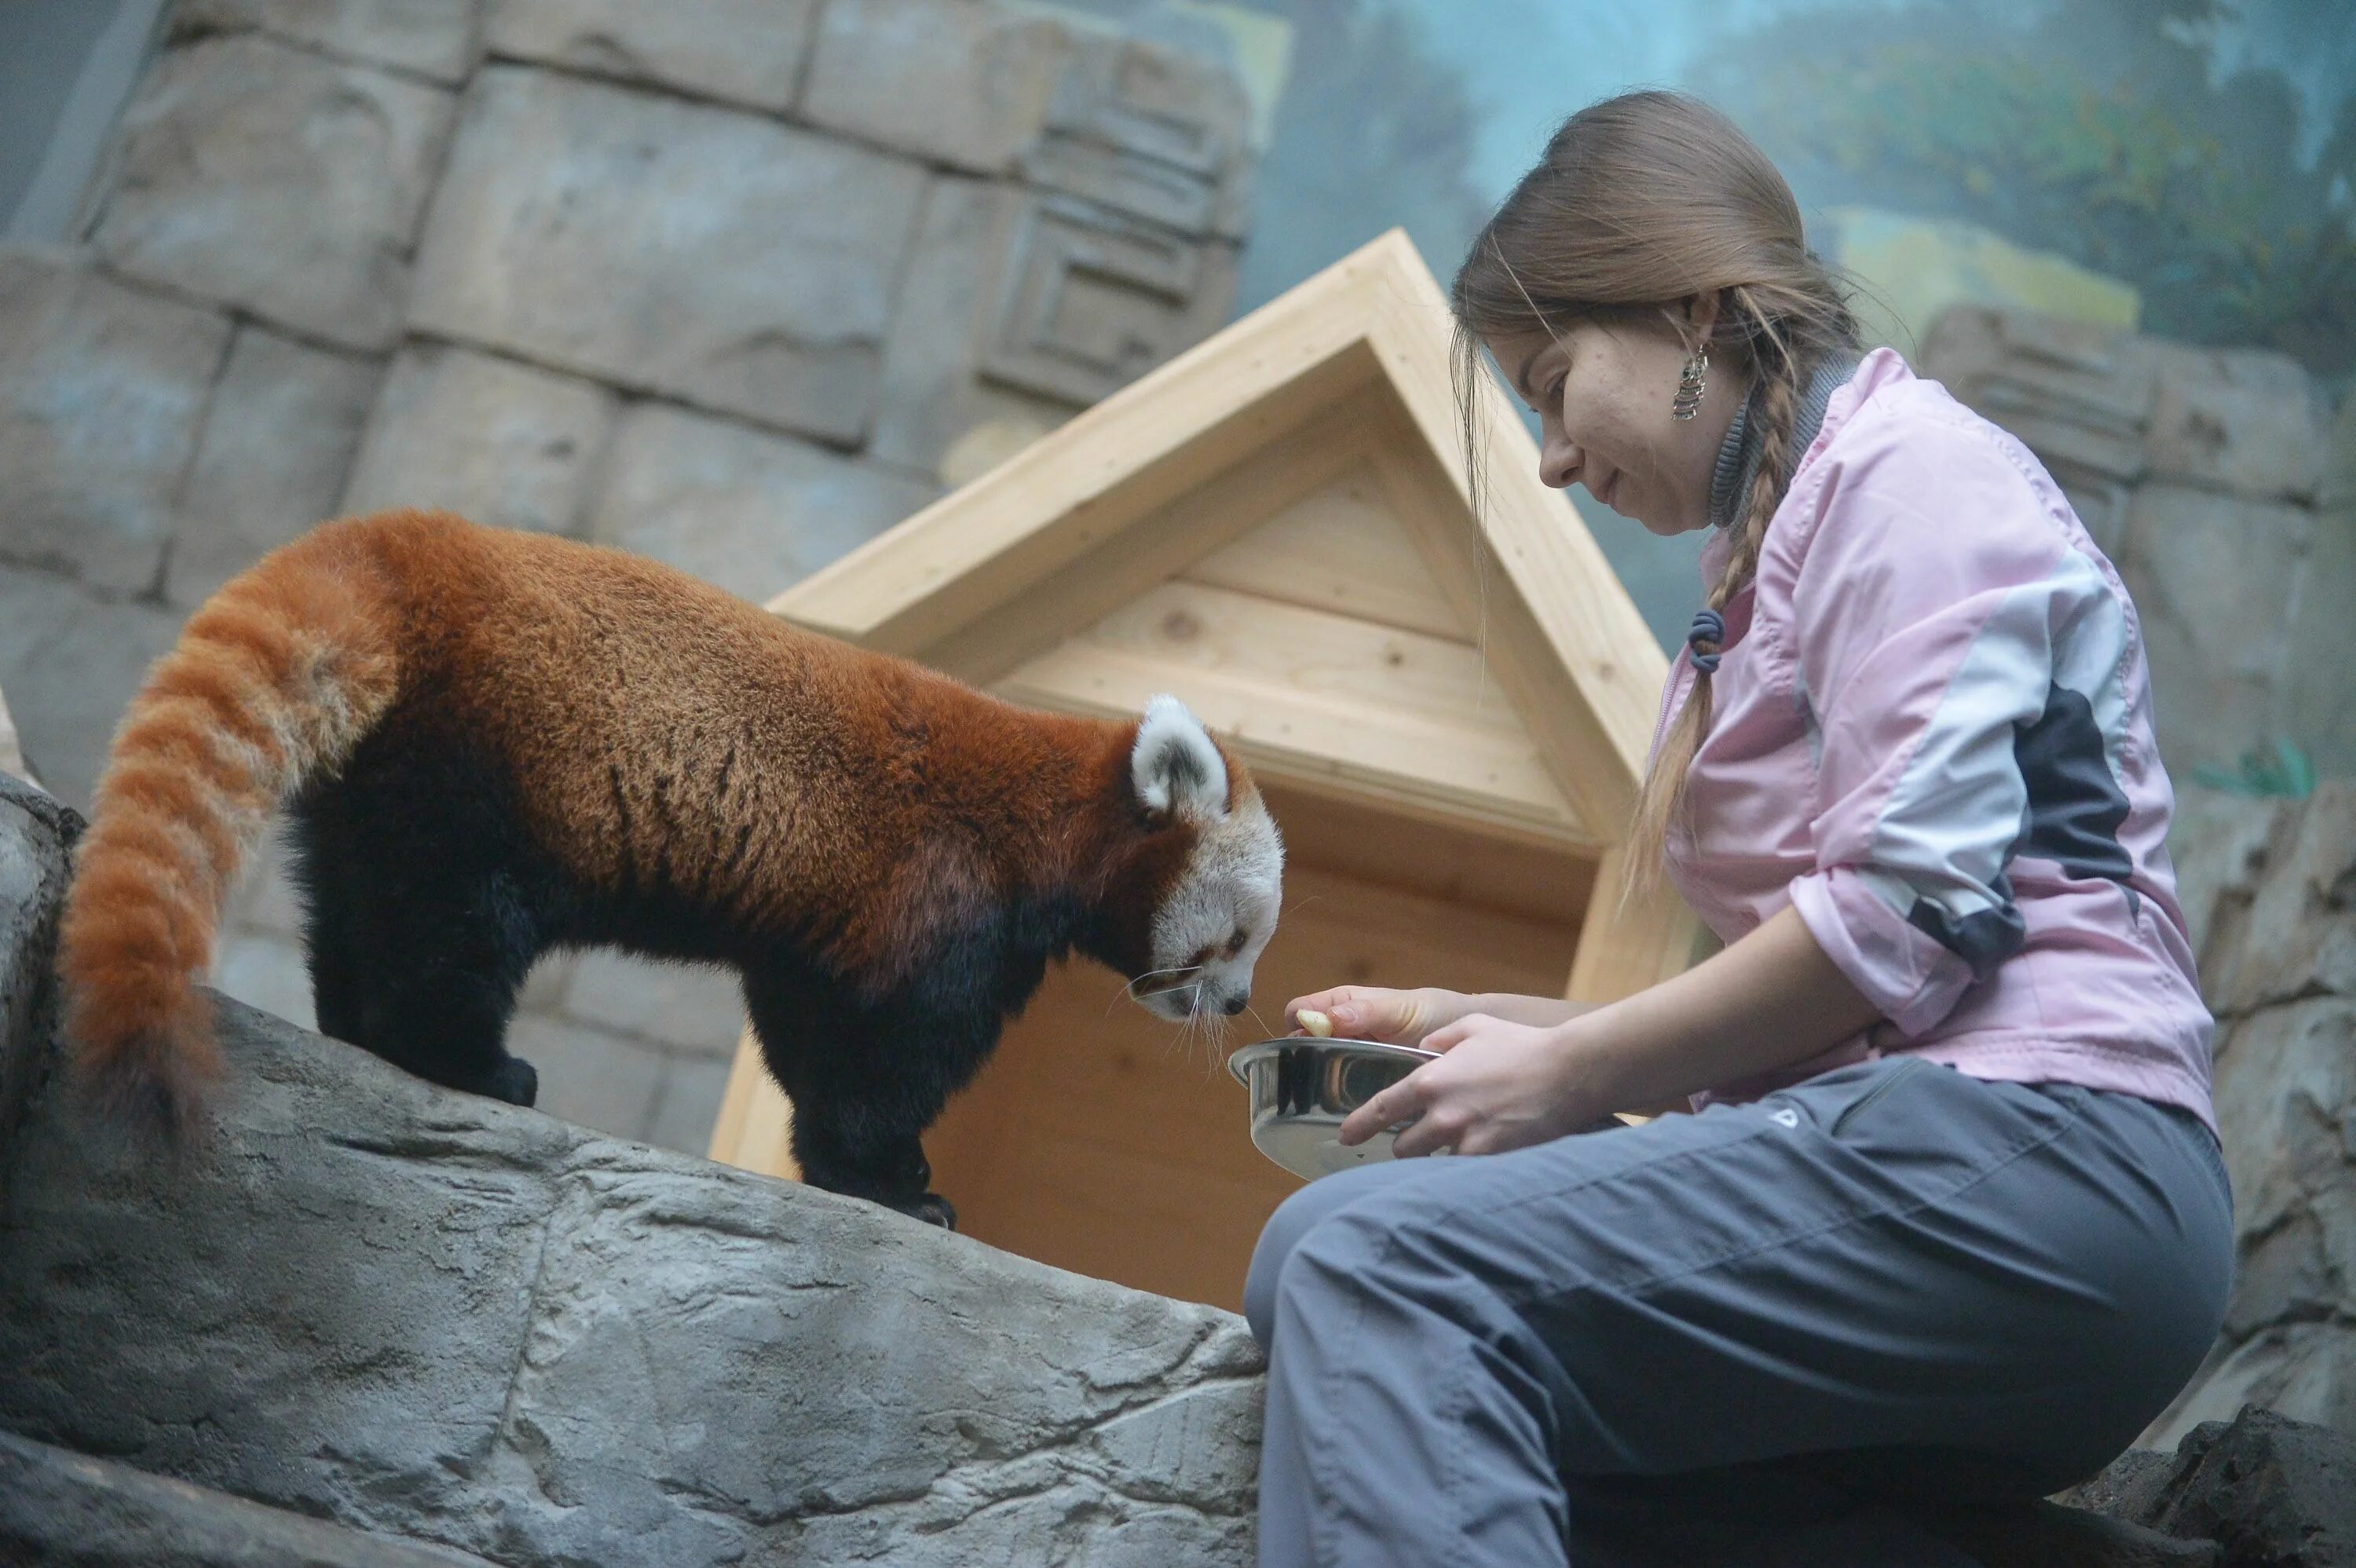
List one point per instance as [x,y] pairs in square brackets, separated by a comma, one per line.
[1174,766]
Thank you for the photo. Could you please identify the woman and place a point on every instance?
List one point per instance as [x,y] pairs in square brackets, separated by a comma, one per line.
[1951,1220]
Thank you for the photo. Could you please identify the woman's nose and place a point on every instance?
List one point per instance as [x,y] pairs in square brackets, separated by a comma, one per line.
[1558,461]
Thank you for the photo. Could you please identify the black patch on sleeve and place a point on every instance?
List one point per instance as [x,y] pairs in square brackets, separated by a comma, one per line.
[2075,806]
[1983,939]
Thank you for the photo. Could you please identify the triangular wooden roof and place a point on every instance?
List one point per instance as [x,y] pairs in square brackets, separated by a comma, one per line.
[1255,479]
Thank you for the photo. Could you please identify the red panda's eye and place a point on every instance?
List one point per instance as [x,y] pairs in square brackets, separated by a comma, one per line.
[1236,942]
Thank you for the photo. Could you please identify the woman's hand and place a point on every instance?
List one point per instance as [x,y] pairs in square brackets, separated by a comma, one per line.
[1393,1017]
[1497,1086]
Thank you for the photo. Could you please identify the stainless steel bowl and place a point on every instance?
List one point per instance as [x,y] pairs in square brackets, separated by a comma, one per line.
[1301,1087]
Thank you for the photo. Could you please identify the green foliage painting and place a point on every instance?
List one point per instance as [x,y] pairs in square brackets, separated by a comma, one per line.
[2091,128]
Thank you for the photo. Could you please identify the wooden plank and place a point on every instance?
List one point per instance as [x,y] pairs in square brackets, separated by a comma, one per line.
[1445,859]
[1543,598]
[1619,954]
[1338,549]
[754,1129]
[1130,561]
[1310,696]
[1098,474]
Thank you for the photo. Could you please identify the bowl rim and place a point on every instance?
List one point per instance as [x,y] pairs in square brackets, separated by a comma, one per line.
[1241,1062]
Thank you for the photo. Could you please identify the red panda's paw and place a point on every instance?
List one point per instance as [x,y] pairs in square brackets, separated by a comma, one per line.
[932,1210]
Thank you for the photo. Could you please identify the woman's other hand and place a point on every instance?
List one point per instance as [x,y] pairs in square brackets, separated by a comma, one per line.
[1497,1086]
[1371,1012]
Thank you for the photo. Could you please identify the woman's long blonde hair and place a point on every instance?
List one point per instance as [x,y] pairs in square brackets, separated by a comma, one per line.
[1641,203]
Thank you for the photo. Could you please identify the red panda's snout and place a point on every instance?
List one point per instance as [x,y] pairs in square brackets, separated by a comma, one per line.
[1216,912]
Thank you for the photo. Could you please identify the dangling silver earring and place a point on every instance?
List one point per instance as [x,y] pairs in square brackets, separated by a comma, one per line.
[1691,387]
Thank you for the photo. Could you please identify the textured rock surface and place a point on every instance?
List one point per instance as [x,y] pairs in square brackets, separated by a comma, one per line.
[427,1315]
[2270,1491]
[2278,967]
[102,392]
[267,178]
[740,506]
[60,1506]
[641,239]
[951,81]
[748,51]
[504,444]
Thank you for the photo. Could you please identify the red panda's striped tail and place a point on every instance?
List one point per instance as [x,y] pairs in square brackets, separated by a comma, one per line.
[273,682]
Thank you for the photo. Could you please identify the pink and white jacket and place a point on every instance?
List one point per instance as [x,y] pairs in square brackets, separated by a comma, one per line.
[1932,733]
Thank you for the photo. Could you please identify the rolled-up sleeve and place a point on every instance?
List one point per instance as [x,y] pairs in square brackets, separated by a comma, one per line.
[1932,591]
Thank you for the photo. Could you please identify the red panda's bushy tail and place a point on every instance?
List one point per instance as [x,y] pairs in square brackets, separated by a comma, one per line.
[273,682]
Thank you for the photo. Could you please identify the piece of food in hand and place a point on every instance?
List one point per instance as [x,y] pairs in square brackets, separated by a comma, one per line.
[1315,1023]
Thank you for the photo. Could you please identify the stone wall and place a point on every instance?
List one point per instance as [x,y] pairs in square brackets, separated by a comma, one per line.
[2219,482]
[734,284]
[2270,887]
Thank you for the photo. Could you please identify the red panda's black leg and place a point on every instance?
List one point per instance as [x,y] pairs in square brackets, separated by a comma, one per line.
[417,950]
[859,1112]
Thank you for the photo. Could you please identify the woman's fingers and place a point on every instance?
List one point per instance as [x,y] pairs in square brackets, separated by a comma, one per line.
[1403,1101]
[1360,1012]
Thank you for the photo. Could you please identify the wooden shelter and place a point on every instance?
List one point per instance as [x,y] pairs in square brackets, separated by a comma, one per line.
[1449,721]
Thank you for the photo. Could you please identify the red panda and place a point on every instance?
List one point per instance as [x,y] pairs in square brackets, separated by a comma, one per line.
[495,743]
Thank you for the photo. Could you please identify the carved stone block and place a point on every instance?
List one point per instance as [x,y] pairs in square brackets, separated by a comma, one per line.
[433,38]
[501,442]
[747,51]
[963,84]
[750,511]
[711,255]
[275,181]
[2244,420]
[102,394]
[277,442]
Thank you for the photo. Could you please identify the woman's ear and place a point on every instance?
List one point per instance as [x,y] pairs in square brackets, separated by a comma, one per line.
[1173,767]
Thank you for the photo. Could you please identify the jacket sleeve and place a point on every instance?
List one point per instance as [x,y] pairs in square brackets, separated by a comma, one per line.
[1929,602]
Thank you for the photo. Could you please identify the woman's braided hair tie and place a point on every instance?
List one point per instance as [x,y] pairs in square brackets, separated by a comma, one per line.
[1709,626]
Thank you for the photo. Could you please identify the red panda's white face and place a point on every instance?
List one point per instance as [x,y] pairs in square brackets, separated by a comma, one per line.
[1220,910]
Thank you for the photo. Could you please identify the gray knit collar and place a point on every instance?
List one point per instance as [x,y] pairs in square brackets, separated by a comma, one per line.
[1738,454]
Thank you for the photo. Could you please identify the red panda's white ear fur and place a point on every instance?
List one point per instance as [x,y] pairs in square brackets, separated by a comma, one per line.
[1173,767]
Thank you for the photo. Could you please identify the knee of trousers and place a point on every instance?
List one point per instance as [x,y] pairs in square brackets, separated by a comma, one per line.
[1374,1265]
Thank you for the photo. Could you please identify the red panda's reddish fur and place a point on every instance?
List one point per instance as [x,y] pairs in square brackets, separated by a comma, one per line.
[591,674]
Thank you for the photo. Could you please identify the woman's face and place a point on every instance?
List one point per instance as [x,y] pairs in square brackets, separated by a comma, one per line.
[1602,391]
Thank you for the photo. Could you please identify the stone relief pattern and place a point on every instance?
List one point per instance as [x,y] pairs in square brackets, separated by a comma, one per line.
[735,283]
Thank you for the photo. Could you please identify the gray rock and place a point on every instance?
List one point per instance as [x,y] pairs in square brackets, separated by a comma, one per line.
[498,442]
[67,1507]
[434,38]
[2285,1078]
[70,662]
[268,178]
[102,394]
[720,258]
[751,511]
[2319,699]
[949,81]
[2217,843]
[37,838]
[747,51]
[2304,1371]
[2076,394]
[2245,420]
[2211,575]
[277,442]
[2299,938]
[426,1315]
[2268,1489]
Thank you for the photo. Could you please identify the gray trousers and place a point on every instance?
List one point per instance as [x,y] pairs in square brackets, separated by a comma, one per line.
[1686,1342]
